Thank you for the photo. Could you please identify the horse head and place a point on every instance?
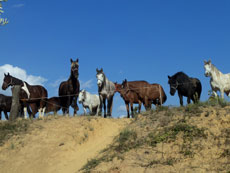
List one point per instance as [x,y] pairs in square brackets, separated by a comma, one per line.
[74,67]
[173,85]
[7,81]
[207,68]
[81,97]
[100,77]
[117,87]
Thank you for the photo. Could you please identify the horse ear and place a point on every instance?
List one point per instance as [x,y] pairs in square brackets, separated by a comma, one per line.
[4,74]
[77,60]
[169,77]
[205,62]
[71,60]
[8,74]
[97,70]
[209,61]
[101,69]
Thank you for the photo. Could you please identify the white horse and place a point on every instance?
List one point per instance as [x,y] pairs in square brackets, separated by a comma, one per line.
[90,101]
[219,81]
[106,90]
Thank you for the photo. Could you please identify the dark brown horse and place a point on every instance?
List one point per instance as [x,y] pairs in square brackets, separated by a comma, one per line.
[53,105]
[129,97]
[69,90]
[29,94]
[5,105]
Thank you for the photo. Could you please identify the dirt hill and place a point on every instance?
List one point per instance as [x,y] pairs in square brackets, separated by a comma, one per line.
[195,138]
[56,144]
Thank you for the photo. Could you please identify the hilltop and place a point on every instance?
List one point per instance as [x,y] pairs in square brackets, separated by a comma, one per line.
[195,138]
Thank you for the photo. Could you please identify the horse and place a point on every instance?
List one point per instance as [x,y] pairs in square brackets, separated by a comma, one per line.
[90,101]
[53,105]
[186,86]
[106,91]
[29,94]
[69,90]
[129,97]
[5,105]
[141,88]
[218,80]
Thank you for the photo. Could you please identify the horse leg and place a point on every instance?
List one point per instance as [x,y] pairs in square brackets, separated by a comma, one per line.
[222,93]
[110,106]
[84,110]
[25,112]
[0,114]
[63,111]
[147,107]
[6,115]
[131,105]
[139,110]
[188,100]
[181,99]
[127,108]
[104,104]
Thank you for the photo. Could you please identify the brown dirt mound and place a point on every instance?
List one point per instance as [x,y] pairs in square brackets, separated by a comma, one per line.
[58,144]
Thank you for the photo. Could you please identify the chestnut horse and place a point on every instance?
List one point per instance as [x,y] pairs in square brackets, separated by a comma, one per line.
[129,97]
[69,90]
[29,94]
[147,93]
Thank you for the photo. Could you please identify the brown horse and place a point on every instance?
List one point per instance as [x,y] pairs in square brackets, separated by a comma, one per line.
[29,94]
[130,97]
[147,93]
[53,105]
[141,88]
[69,90]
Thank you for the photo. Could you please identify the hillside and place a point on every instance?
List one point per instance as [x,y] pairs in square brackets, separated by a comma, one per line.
[56,144]
[195,138]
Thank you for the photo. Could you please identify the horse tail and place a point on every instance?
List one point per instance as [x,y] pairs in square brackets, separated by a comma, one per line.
[163,95]
[198,88]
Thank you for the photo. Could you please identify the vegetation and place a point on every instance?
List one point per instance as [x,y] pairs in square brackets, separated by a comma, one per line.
[8,129]
[3,21]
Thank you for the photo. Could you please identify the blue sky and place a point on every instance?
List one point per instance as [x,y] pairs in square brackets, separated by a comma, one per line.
[132,39]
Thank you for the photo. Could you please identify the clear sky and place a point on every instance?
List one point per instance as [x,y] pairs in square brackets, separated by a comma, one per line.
[129,39]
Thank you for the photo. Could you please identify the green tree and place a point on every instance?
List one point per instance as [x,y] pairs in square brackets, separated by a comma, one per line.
[3,21]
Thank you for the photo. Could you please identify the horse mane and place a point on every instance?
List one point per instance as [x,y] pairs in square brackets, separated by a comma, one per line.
[215,70]
[181,76]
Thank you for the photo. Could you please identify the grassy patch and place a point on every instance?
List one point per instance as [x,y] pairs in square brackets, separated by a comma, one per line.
[8,129]
[169,134]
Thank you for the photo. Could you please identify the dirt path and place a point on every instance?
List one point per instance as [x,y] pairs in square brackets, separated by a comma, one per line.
[59,145]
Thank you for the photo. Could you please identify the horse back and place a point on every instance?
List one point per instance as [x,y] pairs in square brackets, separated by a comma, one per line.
[140,87]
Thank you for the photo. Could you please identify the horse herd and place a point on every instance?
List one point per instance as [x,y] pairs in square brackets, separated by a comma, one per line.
[34,98]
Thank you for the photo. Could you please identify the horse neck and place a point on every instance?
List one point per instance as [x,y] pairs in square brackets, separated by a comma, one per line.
[16,81]
[215,73]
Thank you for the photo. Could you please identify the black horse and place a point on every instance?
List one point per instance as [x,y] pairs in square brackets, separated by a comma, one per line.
[69,90]
[186,86]
[29,94]
[5,105]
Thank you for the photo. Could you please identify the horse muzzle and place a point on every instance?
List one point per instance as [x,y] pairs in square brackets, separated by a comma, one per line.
[207,74]
[4,87]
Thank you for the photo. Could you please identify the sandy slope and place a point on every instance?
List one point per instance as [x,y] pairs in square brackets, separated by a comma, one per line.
[58,144]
